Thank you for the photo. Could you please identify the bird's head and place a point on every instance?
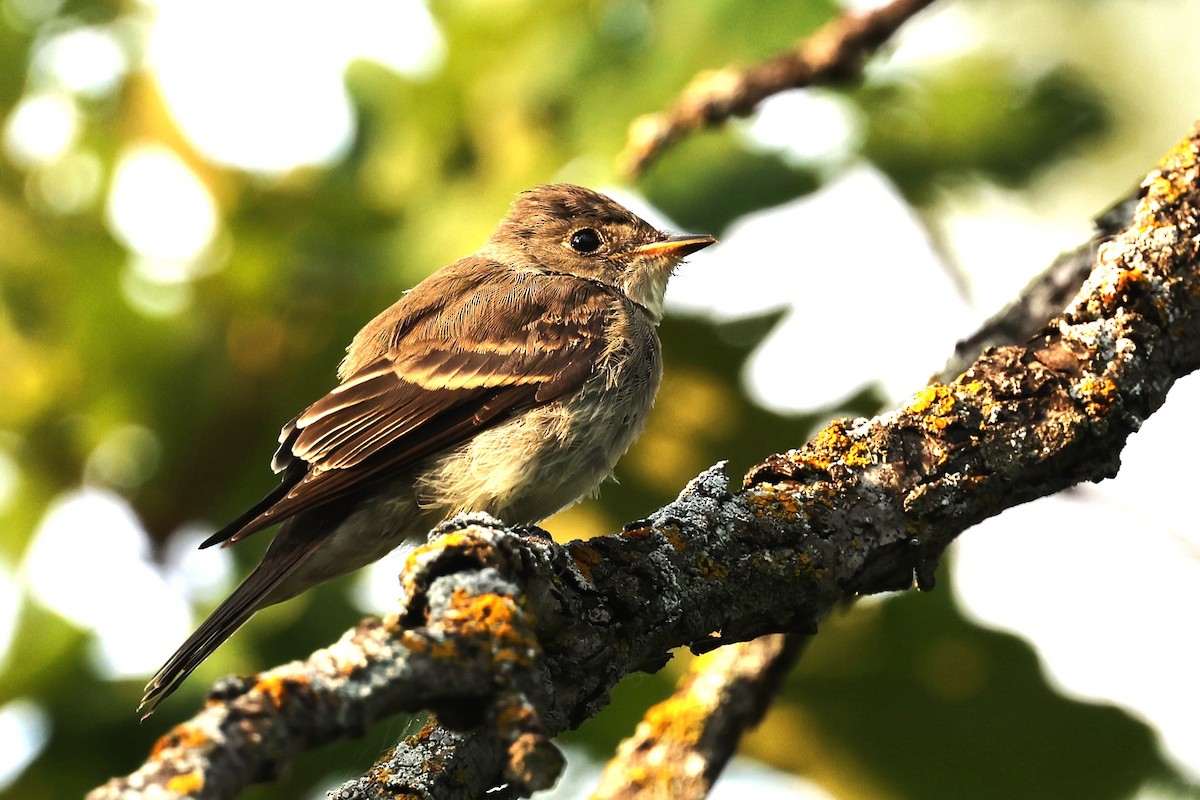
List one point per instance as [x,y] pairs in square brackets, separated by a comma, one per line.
[568,229]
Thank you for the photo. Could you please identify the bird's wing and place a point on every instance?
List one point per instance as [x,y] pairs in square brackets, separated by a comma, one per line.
[450,368]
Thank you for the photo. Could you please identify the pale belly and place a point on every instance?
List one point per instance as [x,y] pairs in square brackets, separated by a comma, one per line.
[528,468]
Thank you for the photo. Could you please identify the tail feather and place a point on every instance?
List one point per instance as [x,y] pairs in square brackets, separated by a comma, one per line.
[251,595]
[230,532]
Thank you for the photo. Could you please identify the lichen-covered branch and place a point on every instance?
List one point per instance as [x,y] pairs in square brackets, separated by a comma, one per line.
[510,639]
[478,646]
[684,742]
[1045,296]
[682,760]
[834,54]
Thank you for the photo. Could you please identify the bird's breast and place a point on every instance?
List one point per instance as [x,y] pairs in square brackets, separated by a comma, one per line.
[547,458]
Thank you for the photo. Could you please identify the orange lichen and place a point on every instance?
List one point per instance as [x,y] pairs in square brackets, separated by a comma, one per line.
[415,557]
[1163,190]
[1167,183]
[926,398]
[189,783]
[428,729]
[680,718]
[825,494]
[585,557]
[987,403]
[475,611]
[973,388]
[675,537]
[832,436]
[277,688]
[639,776]
[1120,286]
[490,616]
[711,568]
[935,407]
[1097,394]
[832,445]
[773,499]
[183,735]
[516,716]
[806,569]
[859,455]
[479,618]
[672,533]
[435,648]
[456,539]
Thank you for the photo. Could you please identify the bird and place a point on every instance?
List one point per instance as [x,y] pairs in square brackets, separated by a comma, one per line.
[508,382]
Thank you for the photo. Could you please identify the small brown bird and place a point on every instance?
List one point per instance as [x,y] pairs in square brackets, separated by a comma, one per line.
[508,382]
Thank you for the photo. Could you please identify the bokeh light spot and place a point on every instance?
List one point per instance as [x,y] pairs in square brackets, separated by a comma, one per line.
[86,60]
[10,475]
[41,128]
[69,185]
[160,210]
[89,563]
[154,299]
[124,459]
[24,731]
[291,109]
[807,126]
[10,610]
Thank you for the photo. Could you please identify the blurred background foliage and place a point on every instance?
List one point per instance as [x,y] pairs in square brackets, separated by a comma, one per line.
[160,378]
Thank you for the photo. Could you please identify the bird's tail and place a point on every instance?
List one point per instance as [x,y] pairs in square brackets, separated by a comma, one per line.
[251,595]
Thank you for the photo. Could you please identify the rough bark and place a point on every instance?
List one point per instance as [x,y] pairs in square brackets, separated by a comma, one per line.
[1045,296]
[722,698]
[683,743]
[510,638]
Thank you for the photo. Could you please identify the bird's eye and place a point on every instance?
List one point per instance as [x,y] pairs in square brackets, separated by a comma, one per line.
[585,240]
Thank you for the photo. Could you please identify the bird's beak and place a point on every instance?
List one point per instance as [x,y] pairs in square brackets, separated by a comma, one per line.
[675,246]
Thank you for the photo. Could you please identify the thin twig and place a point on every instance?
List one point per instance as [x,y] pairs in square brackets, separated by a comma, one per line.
[834,54]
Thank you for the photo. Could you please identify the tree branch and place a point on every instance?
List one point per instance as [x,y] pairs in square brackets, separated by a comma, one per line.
[834,54]
[1046,295]
[720,699]
[510,638]
[684,742]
